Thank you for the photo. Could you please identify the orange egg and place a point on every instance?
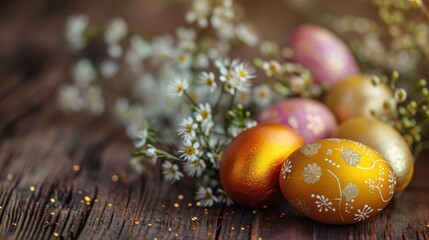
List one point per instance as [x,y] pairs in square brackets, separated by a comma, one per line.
[337,181]
[251,163]
[357,96]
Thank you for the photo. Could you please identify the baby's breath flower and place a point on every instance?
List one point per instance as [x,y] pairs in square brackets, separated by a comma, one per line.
[171,172]
[116,31]
[195,167]
[271,68]
[94,100]
[141,138]
[178,86]
[206,197]
[83,72]
[223,197]
[71,99]
[400,95]
[190,150]
[262,95]
[76,26]
[108,69]
[199,13]
[187,128]
[208,79]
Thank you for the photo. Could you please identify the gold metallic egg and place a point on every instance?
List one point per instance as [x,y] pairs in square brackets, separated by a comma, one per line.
[337,181]
[357,96]
[251,164]
[386,140]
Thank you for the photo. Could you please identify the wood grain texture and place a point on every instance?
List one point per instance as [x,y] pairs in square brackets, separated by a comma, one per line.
[44,196]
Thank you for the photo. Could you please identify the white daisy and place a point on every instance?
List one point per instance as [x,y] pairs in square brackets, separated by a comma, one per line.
[151,153]
[108,69]
[138,51]
[246,35]
[262,95]
[271,67]
[178,86]
[183,60]
[75,28]
[70,98]
[137,165]
[141,138]
[94,100]
[200,60]
[186,39]
[208,79]
[223,197]
[195,167]
[83,72]
[205,197]
[116,31]
[114,50]
[225,64]
[162,48]
[207,126]
[187,128]
[199,13]
[244,71]
[190,150]
[203,112]
[215,159]
[171,172]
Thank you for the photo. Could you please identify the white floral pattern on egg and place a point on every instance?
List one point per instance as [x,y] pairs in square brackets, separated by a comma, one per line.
[337,181]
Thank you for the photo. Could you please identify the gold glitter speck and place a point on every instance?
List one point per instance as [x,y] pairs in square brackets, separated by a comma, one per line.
[52,200]
[87,199]
[180,197]
[76,168]
[32,189]
[109,204]
[176,205]
[115,178]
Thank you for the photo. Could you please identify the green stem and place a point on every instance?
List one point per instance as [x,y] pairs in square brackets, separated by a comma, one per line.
[190,98]
[219,99]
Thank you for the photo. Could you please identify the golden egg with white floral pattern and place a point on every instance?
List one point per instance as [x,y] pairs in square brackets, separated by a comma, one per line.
[337,181]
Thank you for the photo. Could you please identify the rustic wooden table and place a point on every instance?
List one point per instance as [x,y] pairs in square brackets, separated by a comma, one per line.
[68,176]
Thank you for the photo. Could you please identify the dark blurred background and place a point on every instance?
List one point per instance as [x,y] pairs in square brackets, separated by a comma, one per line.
[33,30]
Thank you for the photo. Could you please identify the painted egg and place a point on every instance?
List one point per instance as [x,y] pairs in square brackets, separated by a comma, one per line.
[311,119]
[386,140]
[251,164]
[324,54]
[337,181]
[357,96]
